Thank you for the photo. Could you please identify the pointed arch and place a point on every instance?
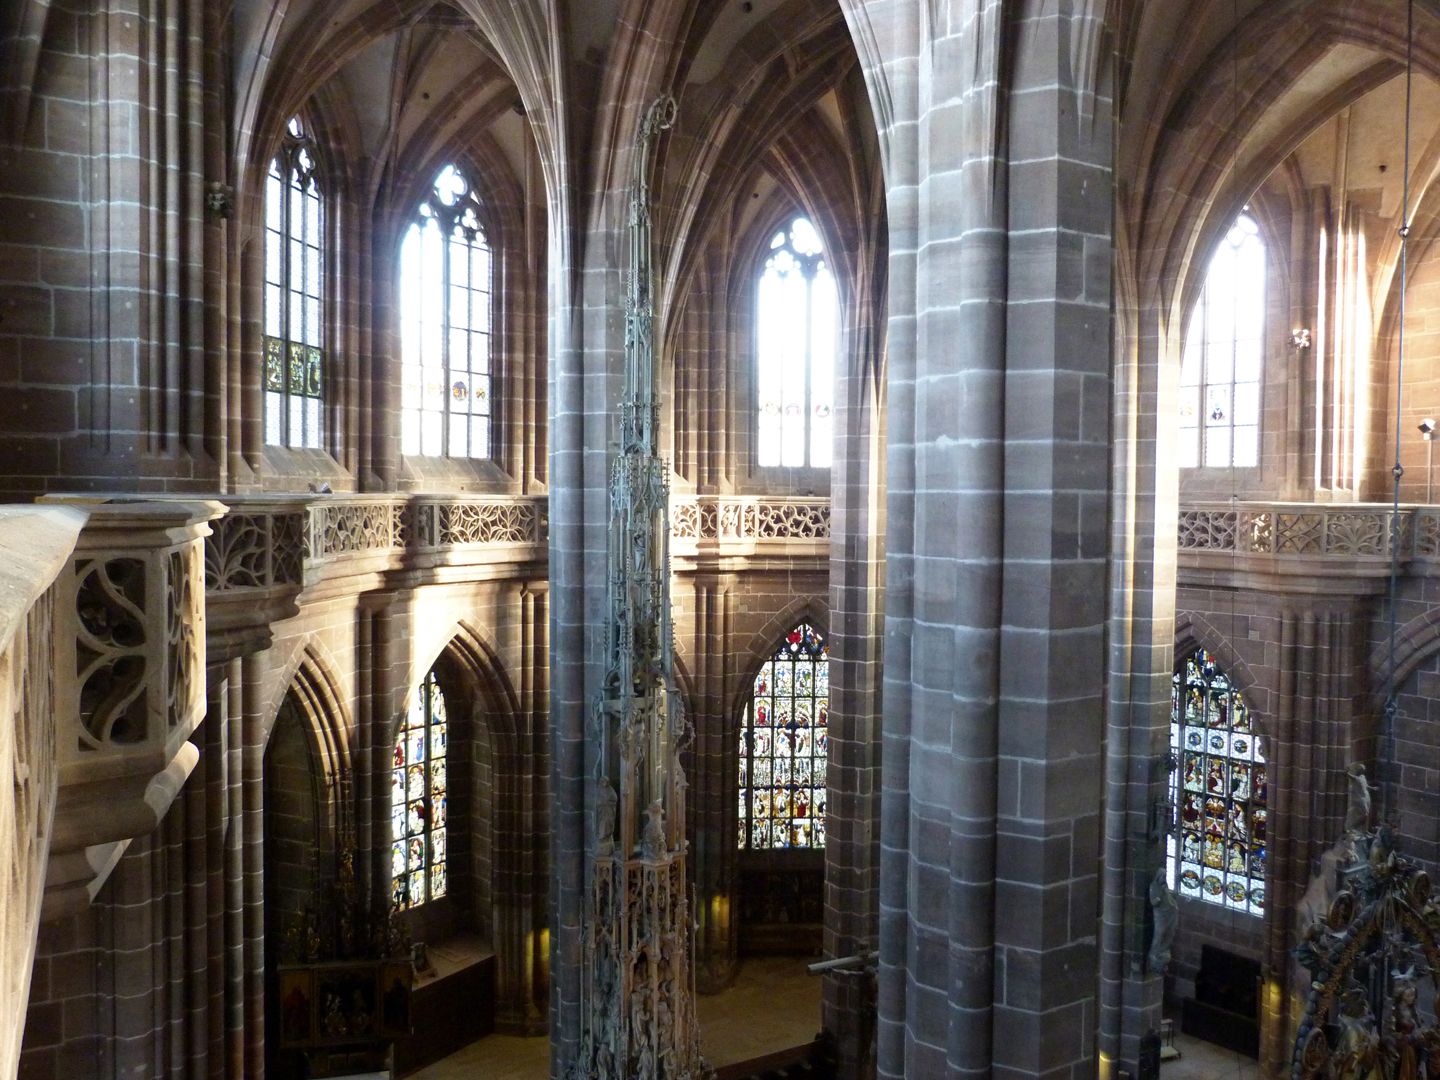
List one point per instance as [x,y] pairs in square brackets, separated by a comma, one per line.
[1194,631]
[309,676]
[812,609]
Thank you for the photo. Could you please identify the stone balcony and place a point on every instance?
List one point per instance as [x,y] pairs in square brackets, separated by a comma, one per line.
[1307,547]
[130,646]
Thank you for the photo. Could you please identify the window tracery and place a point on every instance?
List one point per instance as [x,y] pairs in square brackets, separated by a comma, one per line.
[417,800]
[784,746]
[1222,364]
[445,307]
[798,318]
[1219,787]
[294,361]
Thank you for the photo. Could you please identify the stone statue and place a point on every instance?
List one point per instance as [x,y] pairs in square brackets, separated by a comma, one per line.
[1357,807]
[606,807]
[1167,917]
[1323,887]
[652,841]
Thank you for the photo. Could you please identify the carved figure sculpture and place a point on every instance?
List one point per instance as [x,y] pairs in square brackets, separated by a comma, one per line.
[606,807]
[1357,807]
[1407,1040]
[1357,1055]
[652,842]
[1167,918]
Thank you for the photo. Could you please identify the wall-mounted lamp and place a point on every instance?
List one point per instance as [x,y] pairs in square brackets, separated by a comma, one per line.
[1427,432]
[1300,338]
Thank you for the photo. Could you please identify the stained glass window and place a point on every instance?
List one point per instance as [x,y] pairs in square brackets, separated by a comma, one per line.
[1217,853]
[294,265]
[445,273]
[417,800]
[798,322]
[783,745]
[1221,368]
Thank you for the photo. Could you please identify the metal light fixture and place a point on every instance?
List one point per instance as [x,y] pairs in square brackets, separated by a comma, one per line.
[1427,432]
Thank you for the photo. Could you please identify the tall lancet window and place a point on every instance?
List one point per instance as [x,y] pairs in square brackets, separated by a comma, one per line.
[1224,352]
[417,800]
[783,746]
[798,322]
[445,276]
[1219,848]
[294,289]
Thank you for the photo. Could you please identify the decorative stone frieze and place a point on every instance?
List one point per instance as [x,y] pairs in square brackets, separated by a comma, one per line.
[130,643]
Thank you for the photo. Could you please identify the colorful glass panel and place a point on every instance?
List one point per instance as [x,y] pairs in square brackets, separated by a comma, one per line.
[293,376]
[1222,363]
[445,287]
[417,800]
[1218,850]
[783,746]
[798,323]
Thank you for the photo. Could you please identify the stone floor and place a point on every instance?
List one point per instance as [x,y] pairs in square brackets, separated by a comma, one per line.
[1200,1060]
[773,1006]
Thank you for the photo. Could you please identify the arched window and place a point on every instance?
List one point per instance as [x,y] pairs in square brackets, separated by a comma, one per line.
[1224,349]
[798,319]
[417,800]
[783,745]
[294,286]
[1219,784]
[445,325]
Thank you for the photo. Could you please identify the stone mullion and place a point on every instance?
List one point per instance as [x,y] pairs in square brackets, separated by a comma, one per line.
[195,986]
[212,769]
[956,515]
[537,959]
[856,627]
[1286,761]
[216,421]
[234,876]
[173,828]
[714,768]
[1141,663]
[892,69]
[1056,401]
[252,865]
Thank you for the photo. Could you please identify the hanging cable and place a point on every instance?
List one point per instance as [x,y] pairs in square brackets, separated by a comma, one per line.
[1386,749]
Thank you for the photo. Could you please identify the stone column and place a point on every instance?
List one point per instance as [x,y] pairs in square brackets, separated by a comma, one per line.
[997,140]
[857,611]
[713,770]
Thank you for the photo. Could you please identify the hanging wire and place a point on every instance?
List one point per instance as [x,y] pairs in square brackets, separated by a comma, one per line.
[1386,750]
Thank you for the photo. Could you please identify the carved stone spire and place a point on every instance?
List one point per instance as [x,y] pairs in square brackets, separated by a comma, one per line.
[639,1013]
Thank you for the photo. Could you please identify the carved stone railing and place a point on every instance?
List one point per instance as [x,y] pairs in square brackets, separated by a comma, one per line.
[759,522]
[130,654]
[35,548]
[1312,538]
